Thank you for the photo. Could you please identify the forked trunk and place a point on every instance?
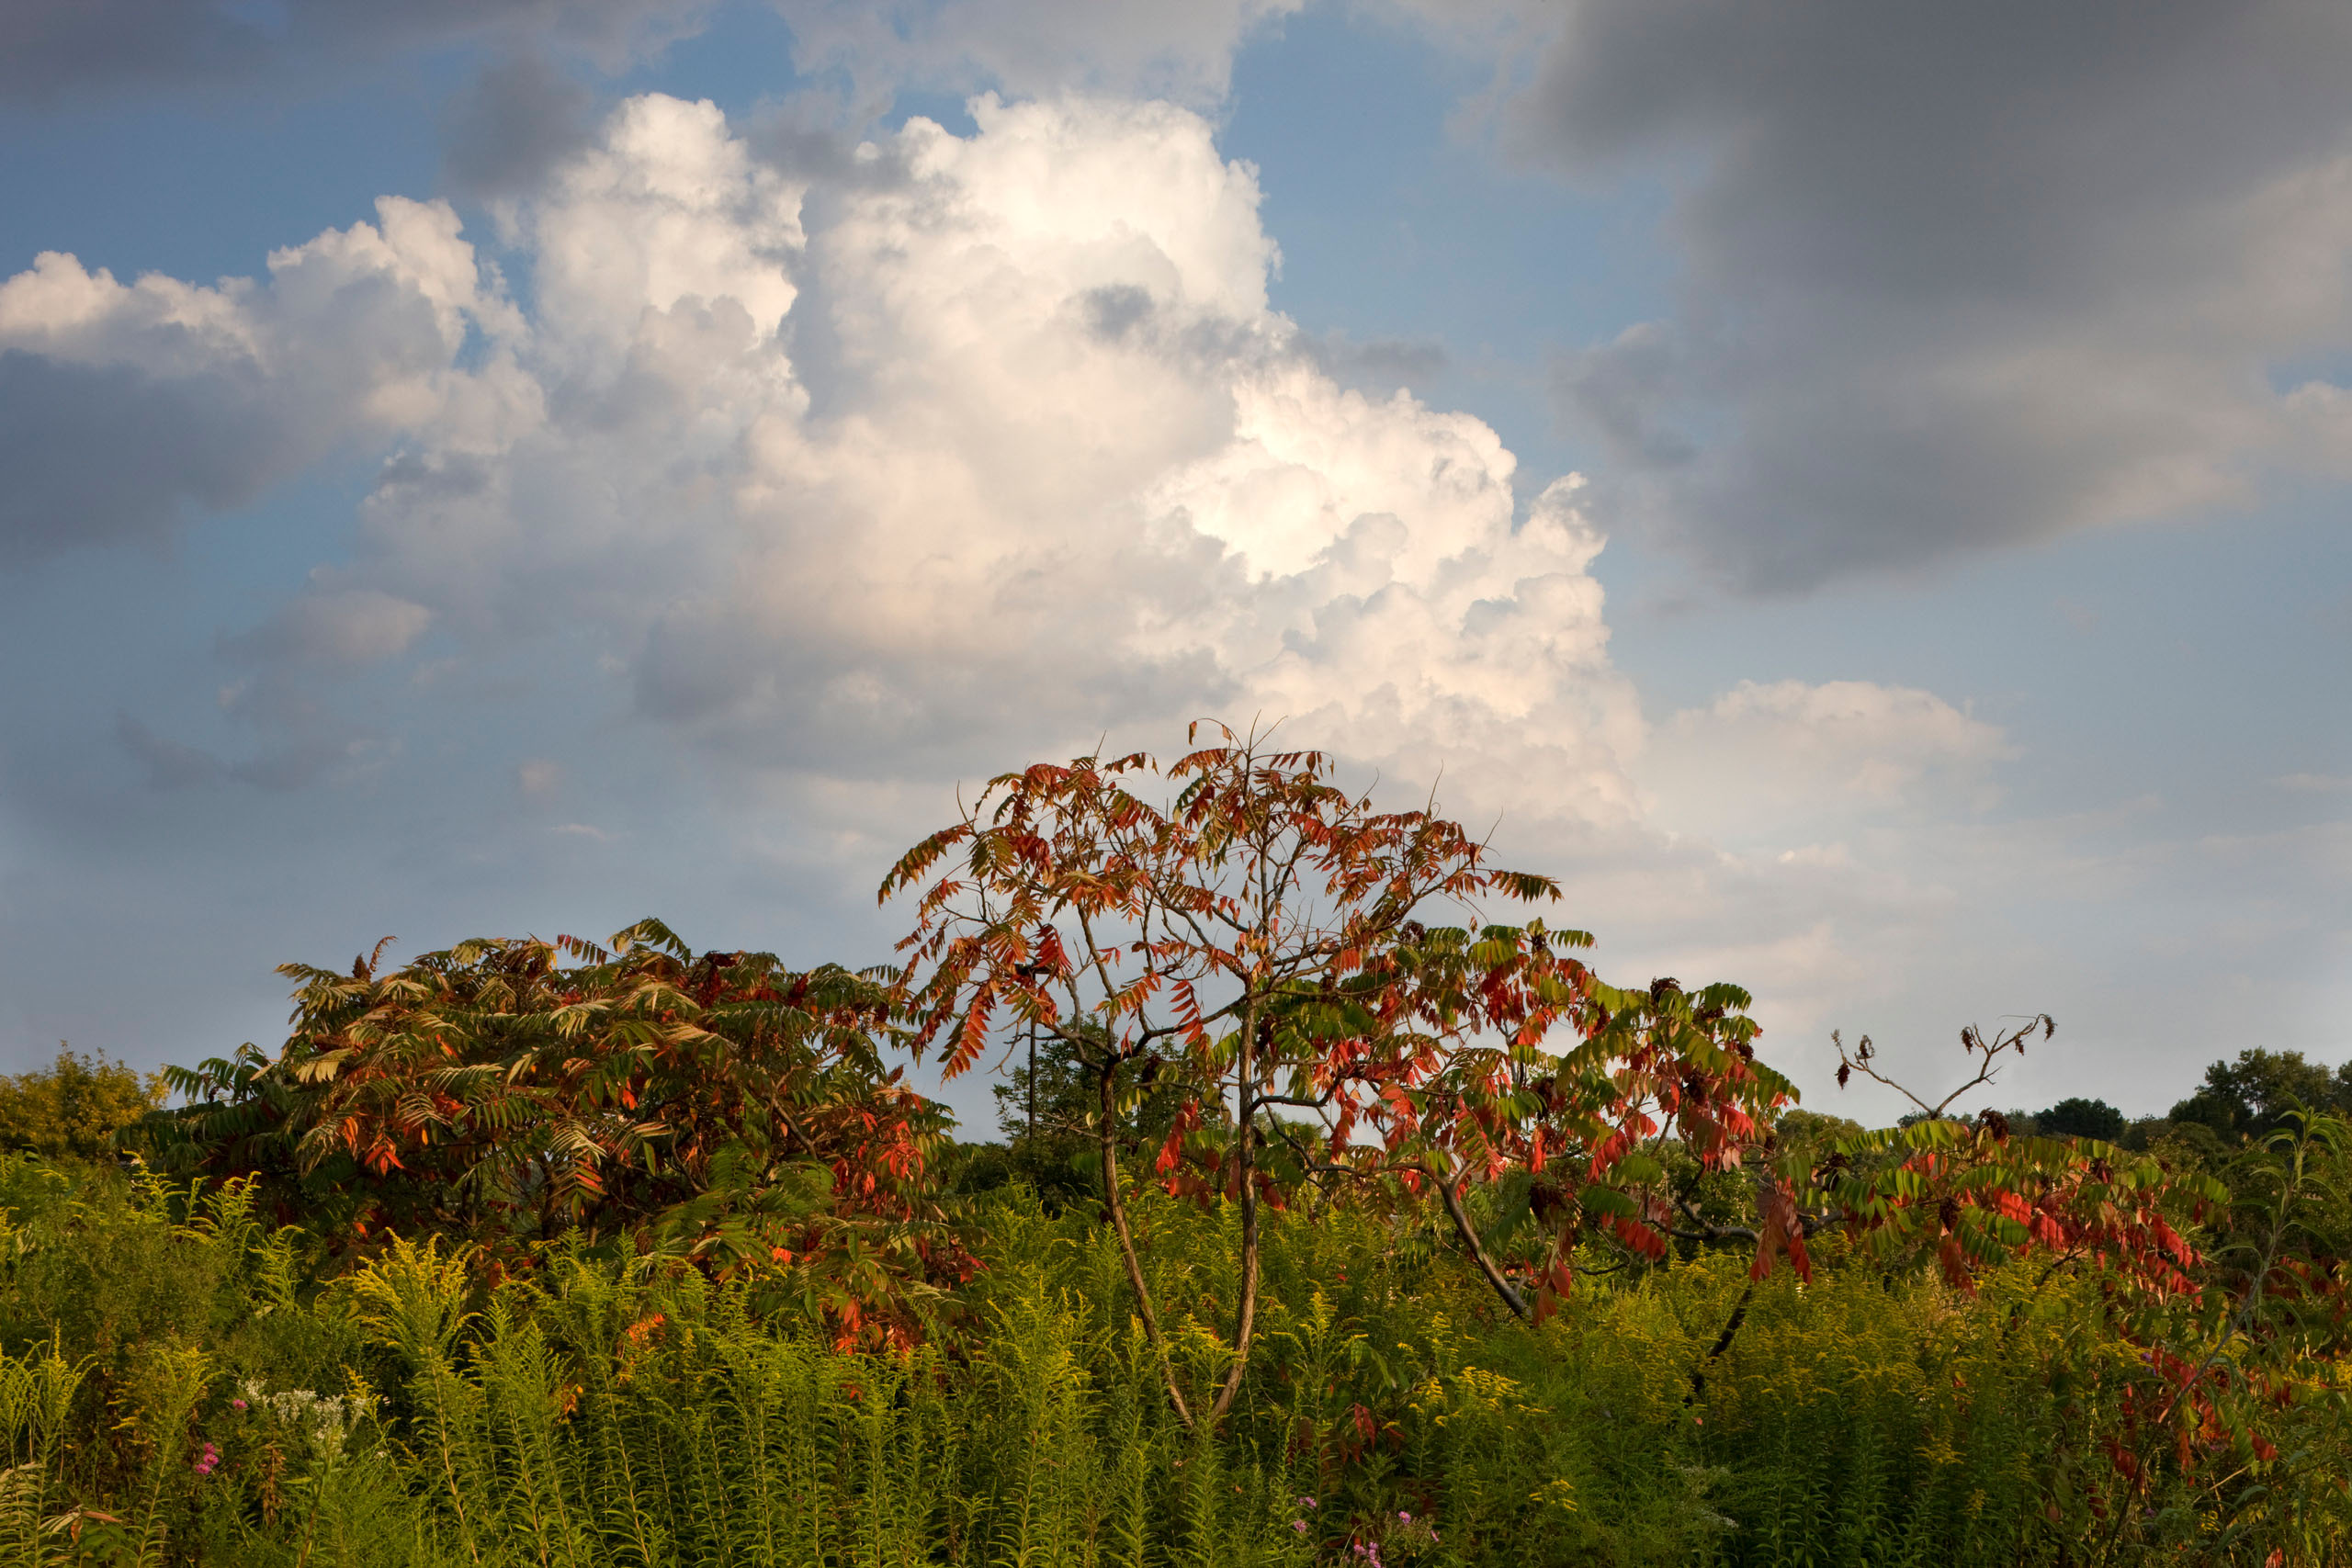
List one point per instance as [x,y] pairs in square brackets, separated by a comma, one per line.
[1114,1203]
[1469,1235]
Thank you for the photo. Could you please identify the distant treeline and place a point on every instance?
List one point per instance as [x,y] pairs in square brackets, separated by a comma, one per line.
[82,1105]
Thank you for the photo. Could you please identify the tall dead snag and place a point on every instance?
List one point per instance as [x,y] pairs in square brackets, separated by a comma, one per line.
[1223,924]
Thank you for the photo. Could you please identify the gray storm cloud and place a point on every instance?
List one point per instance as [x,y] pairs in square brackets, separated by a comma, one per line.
[52,50]
[56,50]
[1958,276]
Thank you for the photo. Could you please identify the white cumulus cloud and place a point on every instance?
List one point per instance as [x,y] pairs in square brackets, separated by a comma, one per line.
[997,435]
[845,483]
[123,403]
[1789,758]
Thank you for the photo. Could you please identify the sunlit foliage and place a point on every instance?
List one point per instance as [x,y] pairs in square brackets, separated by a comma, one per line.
[75,1107]
[639,1096]
[1337,1222]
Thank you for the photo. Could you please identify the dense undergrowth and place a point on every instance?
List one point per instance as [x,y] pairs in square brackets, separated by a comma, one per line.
[1335,1224]
[180,1386]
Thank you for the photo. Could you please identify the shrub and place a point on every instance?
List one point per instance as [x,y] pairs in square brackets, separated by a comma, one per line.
[720,1108]
[75,1108]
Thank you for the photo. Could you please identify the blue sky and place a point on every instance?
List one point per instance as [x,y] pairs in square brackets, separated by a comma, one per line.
[658,509]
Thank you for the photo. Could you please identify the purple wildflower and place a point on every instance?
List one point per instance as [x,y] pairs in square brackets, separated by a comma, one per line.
[209,1461]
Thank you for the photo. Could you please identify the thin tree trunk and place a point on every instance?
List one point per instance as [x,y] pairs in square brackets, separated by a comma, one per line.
[1723,1343]
[1469,1235]
[1246,1163]
[1107,1136]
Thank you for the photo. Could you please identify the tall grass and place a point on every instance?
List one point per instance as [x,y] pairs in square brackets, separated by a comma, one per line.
[423,1410]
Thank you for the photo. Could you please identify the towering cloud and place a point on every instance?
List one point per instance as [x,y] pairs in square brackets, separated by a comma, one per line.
[846,476]
[985,435]
[991,435]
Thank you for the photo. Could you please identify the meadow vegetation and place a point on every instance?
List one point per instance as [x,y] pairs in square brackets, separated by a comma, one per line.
[1330,1222]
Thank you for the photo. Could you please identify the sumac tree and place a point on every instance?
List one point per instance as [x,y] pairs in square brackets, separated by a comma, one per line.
[1511,1061]
[1967,1193]
[717,1106]
[1228,921]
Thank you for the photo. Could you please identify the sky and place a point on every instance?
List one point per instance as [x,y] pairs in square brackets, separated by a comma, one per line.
[1857,492]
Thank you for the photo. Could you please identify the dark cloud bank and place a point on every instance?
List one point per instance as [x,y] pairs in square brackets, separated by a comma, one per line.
[52,50]
[1959,276]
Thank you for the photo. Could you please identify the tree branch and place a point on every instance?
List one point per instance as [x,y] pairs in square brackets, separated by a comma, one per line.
[1469,1235]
